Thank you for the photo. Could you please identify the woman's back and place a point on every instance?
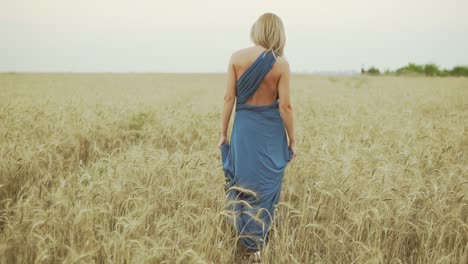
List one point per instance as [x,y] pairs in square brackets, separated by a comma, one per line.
[267,91]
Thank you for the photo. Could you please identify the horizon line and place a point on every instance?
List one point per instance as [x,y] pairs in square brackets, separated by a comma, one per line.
[343,72]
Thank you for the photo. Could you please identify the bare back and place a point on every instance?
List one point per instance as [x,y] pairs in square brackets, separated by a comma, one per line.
[267,92]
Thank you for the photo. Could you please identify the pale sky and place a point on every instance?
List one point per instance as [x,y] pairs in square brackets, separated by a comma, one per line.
[200,36]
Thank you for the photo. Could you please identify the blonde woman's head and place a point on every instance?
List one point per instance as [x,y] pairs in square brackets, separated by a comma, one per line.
[268,31]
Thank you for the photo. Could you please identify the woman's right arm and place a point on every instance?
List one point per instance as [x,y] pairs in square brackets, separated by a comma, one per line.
[285,103]
[229,100]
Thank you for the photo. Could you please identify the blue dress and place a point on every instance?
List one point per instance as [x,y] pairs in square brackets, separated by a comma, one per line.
[255,159]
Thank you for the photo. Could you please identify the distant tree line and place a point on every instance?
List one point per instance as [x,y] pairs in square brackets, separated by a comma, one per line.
[415,69]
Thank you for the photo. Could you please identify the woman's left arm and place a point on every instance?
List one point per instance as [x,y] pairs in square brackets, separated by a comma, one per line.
[229,100]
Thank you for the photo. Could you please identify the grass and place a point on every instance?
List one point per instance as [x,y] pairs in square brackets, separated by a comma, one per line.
[124,168]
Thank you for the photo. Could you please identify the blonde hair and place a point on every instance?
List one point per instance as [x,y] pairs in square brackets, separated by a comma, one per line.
[268,31]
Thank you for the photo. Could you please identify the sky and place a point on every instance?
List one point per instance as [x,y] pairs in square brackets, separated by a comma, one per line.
[200,36]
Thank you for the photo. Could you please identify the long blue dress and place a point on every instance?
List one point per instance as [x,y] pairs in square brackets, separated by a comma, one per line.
[255,159]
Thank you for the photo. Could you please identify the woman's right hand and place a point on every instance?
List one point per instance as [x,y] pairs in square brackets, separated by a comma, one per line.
[292,146]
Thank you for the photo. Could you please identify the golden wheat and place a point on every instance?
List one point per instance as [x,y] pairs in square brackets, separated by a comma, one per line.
[114,168]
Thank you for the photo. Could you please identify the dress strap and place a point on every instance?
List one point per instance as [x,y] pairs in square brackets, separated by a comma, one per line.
[250,80]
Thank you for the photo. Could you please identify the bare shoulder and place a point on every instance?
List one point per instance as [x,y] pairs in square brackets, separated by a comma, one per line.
[240,55]
[283,64]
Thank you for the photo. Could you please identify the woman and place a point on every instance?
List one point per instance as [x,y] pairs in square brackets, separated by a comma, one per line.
[255,159]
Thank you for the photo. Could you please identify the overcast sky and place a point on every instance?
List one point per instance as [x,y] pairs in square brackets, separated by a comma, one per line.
[199,36]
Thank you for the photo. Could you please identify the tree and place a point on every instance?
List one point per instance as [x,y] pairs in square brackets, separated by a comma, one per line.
[411,69]
[373,71]
[459,71]
[431,70]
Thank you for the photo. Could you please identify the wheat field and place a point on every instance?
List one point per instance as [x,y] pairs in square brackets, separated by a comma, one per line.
[124,168]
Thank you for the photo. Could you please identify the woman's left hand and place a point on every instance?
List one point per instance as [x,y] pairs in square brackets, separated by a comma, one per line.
[222,140]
